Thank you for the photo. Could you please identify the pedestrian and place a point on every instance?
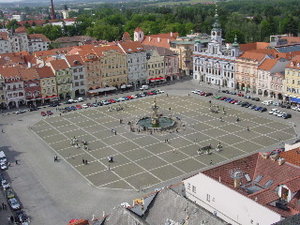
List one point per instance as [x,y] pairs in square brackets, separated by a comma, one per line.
[248,129]
[2,131]
[167,95]
[83,161]
[59,114]
[3,206]
[209,101]
[86,162]
[12,219]
[17,162]
[115,132]
[211,162]
[237,119]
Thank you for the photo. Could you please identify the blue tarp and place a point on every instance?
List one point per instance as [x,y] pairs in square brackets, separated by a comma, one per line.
[297,100]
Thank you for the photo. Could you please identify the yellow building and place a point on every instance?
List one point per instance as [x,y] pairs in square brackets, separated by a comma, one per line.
[113,70]
[2,94]
[47,83]
[292,80]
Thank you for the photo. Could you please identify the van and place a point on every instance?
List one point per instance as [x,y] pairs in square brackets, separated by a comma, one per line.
[144,87]
[2,157]
[267,102]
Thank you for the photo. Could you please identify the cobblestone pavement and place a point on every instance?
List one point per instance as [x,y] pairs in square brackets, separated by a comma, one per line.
[54,193]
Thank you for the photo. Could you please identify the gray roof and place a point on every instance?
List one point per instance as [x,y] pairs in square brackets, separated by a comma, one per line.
[161,51]
[168,207]
[286,49]
[122,216]
[292,220]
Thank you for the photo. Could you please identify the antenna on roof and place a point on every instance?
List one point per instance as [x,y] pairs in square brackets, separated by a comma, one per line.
[236,174]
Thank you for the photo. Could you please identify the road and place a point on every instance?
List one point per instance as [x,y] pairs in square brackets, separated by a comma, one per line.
[53,193]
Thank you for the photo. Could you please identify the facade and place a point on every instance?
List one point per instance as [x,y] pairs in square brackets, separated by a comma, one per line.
[184,47]
[47,84]
[214,61]
[155,65]
[64,42]
[31,86]
[13,87]
[270,78]
[247,70]
[2,93]
[20,41]
[260,189]
[63,77]
[92,77]
[137,62]
[78,72]
[113,70]
[292,80]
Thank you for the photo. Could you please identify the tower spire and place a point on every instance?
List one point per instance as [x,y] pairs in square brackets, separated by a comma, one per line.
[52,11]
[216,23]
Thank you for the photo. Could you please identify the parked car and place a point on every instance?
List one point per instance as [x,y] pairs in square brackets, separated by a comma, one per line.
[84,106]
[78,107]
[223,98]
[43,113]
[263,109]
[286,115]
[9,193]
[73,107]
[285,106]
[14,204]
[72,100]
[80,99]
[5,185]
[252,107]
[49,113]
[272,111]
[208,94]
[54,104]
[267,102]
[3,165]
[256,99]
[31,109]
[22,217]
[240,94]
[258,108]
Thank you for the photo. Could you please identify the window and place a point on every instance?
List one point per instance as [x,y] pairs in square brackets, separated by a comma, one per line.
[208,197]
[193,189]
[189,186]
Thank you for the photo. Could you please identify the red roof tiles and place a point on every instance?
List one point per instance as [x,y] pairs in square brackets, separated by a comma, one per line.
[45,72]
[160,40]
[268,64]
[59,64]
[292,156]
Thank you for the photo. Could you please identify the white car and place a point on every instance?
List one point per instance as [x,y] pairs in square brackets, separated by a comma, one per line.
[160,91]
[276,103]
[84,106]
[14,204]
[80,99]
[5,185]
[72,101]
[280,114]
[275,113]
[196,91]
[267,102]
[272,111]
[3,166]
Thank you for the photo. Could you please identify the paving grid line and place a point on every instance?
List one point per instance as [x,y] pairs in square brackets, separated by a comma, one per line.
[95,159]
[99,162]
[130,161]
[196,131]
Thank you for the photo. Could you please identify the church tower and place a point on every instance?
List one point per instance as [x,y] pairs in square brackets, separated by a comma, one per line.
[138,34]
[235,48]
[216,32]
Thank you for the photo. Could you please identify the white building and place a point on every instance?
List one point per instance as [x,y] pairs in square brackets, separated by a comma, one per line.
[78,71]
[137,63]
[260,189]
[19,41]
[214,62]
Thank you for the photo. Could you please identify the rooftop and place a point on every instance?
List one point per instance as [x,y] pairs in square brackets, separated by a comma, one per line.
[260,175]
[292,156]
[268,64]
[59,64]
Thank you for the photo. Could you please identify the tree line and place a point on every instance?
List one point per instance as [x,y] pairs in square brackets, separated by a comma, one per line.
[250,20]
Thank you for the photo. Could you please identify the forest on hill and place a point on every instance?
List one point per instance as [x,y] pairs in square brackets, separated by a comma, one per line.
[250,20]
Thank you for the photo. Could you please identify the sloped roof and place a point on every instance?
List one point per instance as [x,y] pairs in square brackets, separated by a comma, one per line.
[268,64]
[29,74]
[38,36]
[251,55]
[254,46]
[292,156]
[74,60]
[4,36]
[160,40]
[261,172]
[59,64]
[138,29]
[21,30]
[161,51]
[45,72]
[10,72]
[132,46]
[75,39]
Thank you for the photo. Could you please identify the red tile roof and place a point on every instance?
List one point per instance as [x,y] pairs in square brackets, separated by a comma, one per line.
[10,72]
[4,36]
[132,46]
[253,46]
[255,165]
[21,30]
[38,36]
[138,29]
[254,56]
[268,64]
[160,40]
[292,156]
[29,74]
[45,72]
[59,64]
[74,60]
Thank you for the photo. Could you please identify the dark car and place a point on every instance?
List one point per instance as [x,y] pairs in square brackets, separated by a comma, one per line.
[31,109]
[255,99]
[244,104]
[49,113]
[252,107]
[55,104]
[286,116]
[285,106]
[208,94]
[263,109]
[73,107]
[258,108]
[43,113]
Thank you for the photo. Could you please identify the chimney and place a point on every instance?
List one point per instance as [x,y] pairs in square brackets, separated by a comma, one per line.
[274,157]
[171,34]
[168,40]
[281,161]
[149,38]
[236,182]
[158,39]
[220,180]
[265,155]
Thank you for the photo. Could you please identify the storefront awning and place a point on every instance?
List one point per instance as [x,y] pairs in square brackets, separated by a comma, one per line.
[53,96]
[296,100]
[156,79]
[98,90]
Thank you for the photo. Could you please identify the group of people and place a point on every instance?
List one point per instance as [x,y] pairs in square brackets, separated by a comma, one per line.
[75,142]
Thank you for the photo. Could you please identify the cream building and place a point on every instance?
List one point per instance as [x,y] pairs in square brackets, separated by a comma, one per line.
[292,80]
[2,93]
[47,84]
[155,65]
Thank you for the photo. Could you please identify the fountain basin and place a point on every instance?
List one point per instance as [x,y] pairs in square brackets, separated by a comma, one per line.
[164,123]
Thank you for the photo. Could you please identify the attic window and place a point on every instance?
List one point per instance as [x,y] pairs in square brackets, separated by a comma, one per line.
[129,49]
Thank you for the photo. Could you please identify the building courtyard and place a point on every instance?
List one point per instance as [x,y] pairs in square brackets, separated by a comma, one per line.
[143,160]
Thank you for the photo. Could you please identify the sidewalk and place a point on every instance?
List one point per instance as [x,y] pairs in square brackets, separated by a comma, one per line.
[4,214]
